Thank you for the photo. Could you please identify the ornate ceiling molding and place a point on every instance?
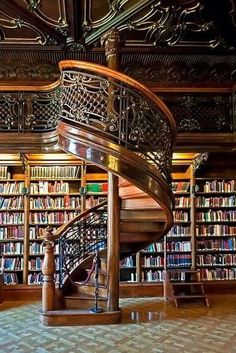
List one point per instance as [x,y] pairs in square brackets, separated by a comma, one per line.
[154,23]
[33,22]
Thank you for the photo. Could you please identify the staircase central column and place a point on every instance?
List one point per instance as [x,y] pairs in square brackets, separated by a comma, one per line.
[111,44]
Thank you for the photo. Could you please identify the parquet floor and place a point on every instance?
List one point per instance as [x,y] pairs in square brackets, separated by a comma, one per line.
[148,325]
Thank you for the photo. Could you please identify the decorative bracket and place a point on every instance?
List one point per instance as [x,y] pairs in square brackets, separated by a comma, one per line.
[199,161]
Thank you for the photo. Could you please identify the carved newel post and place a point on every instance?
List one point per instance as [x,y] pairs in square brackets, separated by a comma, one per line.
[48,269]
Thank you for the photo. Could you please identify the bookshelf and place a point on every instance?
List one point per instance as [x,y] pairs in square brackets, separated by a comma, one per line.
[12,223]
[45,190]
[216,228]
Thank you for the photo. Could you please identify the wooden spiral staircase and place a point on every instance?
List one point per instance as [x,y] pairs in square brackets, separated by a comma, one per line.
[115,122]
[111,120]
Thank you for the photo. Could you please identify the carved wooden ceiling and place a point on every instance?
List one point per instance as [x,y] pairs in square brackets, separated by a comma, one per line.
[185,50]
[161,41]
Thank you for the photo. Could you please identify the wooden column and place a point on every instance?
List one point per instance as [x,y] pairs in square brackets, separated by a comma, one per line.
[113,243]
[48,269]
[111,44]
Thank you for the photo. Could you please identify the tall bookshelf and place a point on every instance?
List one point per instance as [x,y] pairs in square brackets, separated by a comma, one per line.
[12,223]
[41,191]
[215,205]
[203,236]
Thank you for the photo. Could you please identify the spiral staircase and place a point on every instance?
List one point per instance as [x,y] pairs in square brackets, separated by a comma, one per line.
[116,123]
[113,121]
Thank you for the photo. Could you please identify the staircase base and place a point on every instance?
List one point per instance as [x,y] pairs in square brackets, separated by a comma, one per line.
[79,317]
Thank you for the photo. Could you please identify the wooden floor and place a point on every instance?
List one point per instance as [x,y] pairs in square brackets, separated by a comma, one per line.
[148,325]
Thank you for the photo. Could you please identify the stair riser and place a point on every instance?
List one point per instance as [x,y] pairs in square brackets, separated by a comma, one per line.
[91,290]
[83,303]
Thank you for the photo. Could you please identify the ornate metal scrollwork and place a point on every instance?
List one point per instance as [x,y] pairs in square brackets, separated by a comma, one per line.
[121,112]
[22,112]
[83,238]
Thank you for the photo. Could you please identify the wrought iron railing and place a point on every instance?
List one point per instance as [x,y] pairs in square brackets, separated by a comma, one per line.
[25,111]
[81,238]
[124,110]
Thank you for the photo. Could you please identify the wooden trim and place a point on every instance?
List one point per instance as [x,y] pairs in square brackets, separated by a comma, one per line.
[189,89]
[30,88]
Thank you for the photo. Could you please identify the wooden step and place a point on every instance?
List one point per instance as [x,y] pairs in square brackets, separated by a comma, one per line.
[89,289]
[141,227]
[143,215]
[83,301]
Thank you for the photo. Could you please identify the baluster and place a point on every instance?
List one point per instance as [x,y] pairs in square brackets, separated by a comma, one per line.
[96,309]
[48,269]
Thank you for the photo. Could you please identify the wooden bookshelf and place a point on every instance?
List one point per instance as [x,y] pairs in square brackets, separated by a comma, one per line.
[42,192]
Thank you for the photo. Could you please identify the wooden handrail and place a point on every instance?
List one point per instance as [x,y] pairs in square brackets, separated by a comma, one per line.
[76,64]
[52,237]
[22,88]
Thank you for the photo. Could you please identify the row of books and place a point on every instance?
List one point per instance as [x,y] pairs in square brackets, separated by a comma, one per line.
[203,201]
[181,216]
[11,218]
[55,172]
[11,248]
[11,263]
[37,232]
[182,201]
[37,263]
[93,201]
[152,276]
[181,186]
[153,261]
[57,217]
[11,232]
[218,186]
[4,173]
[46,187]
[155,247]
[37,278]
[10,278]
[38,248]
[179,231]
[216,259]
[11,202]
[15,187]
[48,202]
[128,262]
[178,246]
[219,244]
[217,230]
[97,187]
[216,216]
[178,276]
[179,260]
[218,274]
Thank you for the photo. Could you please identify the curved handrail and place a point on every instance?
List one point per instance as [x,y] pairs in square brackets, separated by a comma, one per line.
[59,231]
[71,64]
[119,109]
[78,239]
